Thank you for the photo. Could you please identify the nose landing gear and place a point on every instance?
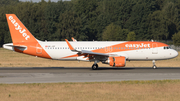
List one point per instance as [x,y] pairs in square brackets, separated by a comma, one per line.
[154,66]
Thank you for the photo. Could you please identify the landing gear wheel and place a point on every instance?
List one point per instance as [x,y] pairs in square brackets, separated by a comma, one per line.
[94,66]
[154,66]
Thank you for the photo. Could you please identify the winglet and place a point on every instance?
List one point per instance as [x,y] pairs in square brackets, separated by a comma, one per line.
[70,46]
[74,40]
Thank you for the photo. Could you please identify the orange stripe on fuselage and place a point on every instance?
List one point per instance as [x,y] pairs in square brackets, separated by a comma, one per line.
[128,46]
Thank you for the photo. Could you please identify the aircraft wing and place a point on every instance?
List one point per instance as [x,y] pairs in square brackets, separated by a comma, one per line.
[84,51]
[93,53]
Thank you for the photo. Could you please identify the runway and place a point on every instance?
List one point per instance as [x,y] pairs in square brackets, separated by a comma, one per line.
[84,74]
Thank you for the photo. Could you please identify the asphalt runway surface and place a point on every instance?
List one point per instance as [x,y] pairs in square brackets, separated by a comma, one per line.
[12,75]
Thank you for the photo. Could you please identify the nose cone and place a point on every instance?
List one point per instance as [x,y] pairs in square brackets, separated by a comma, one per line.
[174,53]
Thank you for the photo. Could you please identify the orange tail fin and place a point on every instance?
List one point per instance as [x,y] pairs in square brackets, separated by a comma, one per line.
[19,33]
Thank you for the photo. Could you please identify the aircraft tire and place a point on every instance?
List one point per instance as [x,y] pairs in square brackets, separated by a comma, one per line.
[94,66]
[154,67]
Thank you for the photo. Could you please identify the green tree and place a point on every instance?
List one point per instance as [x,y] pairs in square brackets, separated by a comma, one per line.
[94,19]
[87,11]
[138,21]
[131,36]
[176,39]
[158,26]
[70,26]
[114,33]
[8,2]
[170,12]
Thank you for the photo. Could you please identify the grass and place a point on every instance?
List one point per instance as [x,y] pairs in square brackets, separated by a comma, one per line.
[156,90]
[14,59]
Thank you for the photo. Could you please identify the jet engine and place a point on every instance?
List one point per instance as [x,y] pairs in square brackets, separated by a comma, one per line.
[118,61]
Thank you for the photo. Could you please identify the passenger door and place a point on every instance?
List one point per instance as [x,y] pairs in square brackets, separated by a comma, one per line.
[154,48]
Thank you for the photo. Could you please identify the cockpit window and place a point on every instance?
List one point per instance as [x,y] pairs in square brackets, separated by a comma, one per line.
[167,47]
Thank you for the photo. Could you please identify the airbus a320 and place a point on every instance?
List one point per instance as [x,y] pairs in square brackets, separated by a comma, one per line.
[113,53]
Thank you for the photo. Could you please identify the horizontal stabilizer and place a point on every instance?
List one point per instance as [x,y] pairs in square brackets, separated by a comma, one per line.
[10,46]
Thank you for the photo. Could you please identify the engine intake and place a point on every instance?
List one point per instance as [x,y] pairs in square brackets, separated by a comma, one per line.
[119,61]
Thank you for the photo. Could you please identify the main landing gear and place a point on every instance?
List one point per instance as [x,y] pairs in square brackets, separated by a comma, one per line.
[154,66]
[94,66]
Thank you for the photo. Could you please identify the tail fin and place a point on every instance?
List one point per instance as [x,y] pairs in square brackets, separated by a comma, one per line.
[19,33]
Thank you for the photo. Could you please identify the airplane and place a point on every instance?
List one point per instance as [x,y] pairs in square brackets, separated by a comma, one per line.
[113,53]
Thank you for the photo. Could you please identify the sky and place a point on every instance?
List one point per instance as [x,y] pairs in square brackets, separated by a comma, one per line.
[44,0]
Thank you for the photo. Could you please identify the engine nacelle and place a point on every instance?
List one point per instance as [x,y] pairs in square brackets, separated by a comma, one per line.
[118,61]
